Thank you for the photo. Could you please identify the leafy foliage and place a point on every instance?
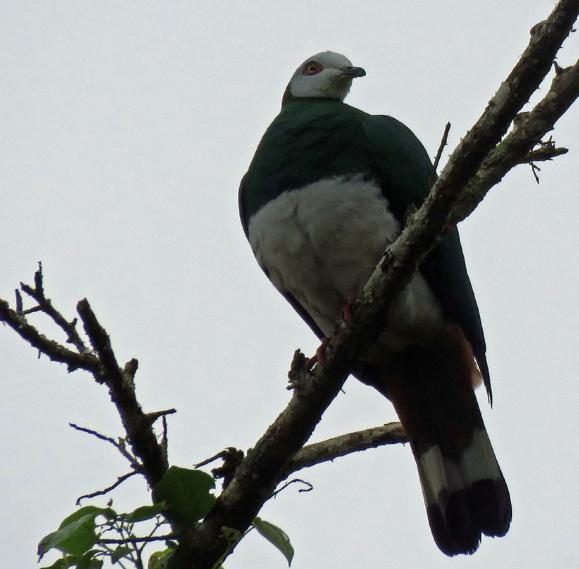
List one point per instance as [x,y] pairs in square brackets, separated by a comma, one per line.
[92,534]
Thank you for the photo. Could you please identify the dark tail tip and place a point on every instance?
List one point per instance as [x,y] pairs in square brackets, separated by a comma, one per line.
[454,528]
[491,503]
[458,519]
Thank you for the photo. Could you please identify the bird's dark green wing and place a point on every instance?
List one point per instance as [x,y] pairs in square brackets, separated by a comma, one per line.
[406,174]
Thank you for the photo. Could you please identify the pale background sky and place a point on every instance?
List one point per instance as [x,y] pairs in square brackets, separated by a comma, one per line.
[126,127]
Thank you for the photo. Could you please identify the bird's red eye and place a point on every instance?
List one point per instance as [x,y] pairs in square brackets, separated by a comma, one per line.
[312,67]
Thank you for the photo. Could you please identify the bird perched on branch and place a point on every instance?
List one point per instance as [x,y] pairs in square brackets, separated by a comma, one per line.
[326,192]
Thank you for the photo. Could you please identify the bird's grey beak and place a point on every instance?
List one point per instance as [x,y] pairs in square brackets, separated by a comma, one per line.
[353,72]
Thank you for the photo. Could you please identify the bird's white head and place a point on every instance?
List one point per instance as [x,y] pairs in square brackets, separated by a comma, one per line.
[324,75]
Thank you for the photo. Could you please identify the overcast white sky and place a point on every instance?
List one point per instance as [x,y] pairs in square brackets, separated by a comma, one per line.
[126,127]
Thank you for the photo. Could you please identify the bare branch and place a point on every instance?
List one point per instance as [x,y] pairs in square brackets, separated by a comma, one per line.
[543,154]
[19,305]
[443,143]
[45,305]
[55,351]
[120,382]
[231,458]
[105,491]
[146,539]
[105,369]
[307,486]
[155,415]
[119,445]
[330,449]
[562,93]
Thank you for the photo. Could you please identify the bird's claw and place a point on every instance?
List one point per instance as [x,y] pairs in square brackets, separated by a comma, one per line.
[319,357]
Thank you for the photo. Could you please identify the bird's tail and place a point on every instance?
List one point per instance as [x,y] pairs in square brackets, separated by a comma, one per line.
[462,484]
[465,496]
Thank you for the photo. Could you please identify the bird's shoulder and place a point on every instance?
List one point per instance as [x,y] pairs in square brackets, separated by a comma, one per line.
[307,141]
[311,140]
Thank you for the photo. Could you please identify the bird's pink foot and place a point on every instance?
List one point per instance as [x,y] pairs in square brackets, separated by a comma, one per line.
[319,357]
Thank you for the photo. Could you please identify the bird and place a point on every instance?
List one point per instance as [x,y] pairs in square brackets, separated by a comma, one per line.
[328,189]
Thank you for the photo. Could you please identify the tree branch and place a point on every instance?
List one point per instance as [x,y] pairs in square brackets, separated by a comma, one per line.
[55,351]
[443,143]
[147,539]
[137,424]
[517,145]
[265,464]
[119,445]
[336,447]
[544,154]
[104,368]
[105,491]
[45,305]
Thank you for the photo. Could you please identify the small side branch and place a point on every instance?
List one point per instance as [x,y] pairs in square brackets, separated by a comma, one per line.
[147,539]
[36,292]
[518,144]
[443,143]
[336,447]
[149,455]
[120,445]
[55,351]
[543,154]
[120,382]
[110,488]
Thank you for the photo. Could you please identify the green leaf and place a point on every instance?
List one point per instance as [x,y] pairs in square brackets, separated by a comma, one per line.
[160,559]
[62,563]
[82,512]
[76,533]
[120,552]
[87,561]
[144,513]
[74,538]
[276,536]
[186,493]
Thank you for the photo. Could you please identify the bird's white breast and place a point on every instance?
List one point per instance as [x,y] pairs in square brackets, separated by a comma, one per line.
[320,243]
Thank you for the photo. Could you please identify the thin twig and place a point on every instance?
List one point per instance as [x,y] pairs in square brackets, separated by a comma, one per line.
[308,486]
[19,305]
[158,523]
[543,154]
[55,351]
[153,416]
[105,491]
[31,310]
[562,93]
[125,534]
[165,437]
[119,445]
[120,382]
[443,143]
[147,539]
[45,305]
